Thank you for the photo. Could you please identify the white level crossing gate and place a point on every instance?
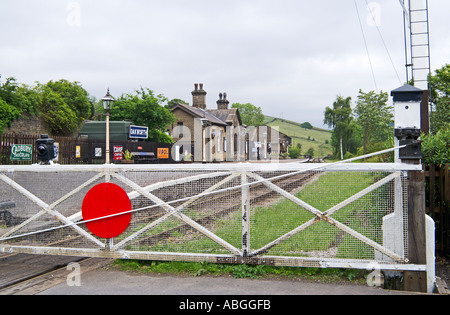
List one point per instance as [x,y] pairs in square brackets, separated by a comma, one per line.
[315,215]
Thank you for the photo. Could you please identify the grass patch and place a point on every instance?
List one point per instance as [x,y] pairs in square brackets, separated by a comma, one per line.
[240,271]
[317,139]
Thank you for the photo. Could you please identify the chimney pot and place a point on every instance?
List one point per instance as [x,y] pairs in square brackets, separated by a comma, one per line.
[222,103]
[199,96]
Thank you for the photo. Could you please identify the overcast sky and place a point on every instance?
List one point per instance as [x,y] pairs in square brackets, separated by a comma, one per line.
[289,57]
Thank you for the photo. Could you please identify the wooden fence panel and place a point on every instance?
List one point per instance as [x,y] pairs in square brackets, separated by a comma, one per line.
[67,149]
[438,204]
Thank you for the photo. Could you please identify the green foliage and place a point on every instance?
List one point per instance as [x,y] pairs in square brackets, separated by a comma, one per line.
[307,125]
[340,119]
[74,96]
[15,100]
[300,135]
[127,155]
[440,86]
[8,113]
[441,117]
[310,152]
[440,82]
[295,151]
[245,271]
[144,108]
[238,271]
[63,105]
[22,97]
[375,117]
[436,147]
[59,117]
[176,101]
[251,115]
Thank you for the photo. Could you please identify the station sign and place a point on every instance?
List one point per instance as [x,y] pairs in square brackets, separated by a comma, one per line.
[118,153]
[163,153]
[137,132]
[21,152]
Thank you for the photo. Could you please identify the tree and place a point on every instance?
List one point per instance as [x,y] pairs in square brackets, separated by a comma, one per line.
[250,114]
[441,117]
[144,108]
[22,97]
[375,118]
[440,86]
[436,147]
[307,125]
[64,106]
[8,113]
[176,101]
[59,117]
[295,151]
[340,119]
[74,96]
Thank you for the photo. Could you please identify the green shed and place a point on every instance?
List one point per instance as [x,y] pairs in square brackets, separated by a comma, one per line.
[96,130]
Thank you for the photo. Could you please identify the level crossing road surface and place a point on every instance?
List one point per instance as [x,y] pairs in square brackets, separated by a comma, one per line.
[112,282]
[50,275]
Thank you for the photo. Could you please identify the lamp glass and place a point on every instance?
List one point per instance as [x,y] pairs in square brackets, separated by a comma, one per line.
[107,101]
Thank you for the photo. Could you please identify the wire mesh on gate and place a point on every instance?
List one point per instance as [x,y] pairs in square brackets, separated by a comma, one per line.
[242,212]
[353,224]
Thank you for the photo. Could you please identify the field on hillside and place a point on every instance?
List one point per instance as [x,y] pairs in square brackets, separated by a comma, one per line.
[316,138]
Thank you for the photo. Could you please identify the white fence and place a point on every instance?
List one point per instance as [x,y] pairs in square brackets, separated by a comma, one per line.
[315,215]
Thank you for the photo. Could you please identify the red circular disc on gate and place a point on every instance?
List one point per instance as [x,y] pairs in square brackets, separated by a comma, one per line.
[104,200]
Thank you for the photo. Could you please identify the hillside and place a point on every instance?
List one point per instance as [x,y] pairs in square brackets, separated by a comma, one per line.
[316,138]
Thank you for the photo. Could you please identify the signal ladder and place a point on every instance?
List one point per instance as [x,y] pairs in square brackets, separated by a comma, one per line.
[419,62]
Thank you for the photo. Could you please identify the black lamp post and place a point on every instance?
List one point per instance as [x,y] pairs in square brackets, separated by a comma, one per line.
[107,101]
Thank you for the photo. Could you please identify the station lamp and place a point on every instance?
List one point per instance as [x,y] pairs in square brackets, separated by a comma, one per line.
[107,101]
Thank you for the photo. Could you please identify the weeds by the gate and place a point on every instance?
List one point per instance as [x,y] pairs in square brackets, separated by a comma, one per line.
[240,271]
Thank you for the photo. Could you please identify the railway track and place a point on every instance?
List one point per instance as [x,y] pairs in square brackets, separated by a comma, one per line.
[23,274]
[225,204]
[29,275]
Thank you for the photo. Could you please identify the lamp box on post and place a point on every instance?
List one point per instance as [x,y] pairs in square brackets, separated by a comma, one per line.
[407,106]
[411,115]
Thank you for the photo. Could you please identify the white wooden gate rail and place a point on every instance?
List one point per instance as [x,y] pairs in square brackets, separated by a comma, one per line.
[179,209]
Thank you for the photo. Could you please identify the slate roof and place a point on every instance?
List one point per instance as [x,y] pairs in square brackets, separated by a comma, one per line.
[227,115]
[210,115]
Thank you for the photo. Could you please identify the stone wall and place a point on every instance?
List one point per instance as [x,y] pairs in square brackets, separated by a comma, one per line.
[28,125]
[32,125]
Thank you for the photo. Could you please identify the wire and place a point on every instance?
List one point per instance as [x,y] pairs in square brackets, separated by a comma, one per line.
[367,48]
[385,46]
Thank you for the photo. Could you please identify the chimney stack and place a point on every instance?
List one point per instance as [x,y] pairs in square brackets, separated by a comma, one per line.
[199,96]
[222,103]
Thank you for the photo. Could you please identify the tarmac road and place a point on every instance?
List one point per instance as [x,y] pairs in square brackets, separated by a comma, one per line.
[112,282]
